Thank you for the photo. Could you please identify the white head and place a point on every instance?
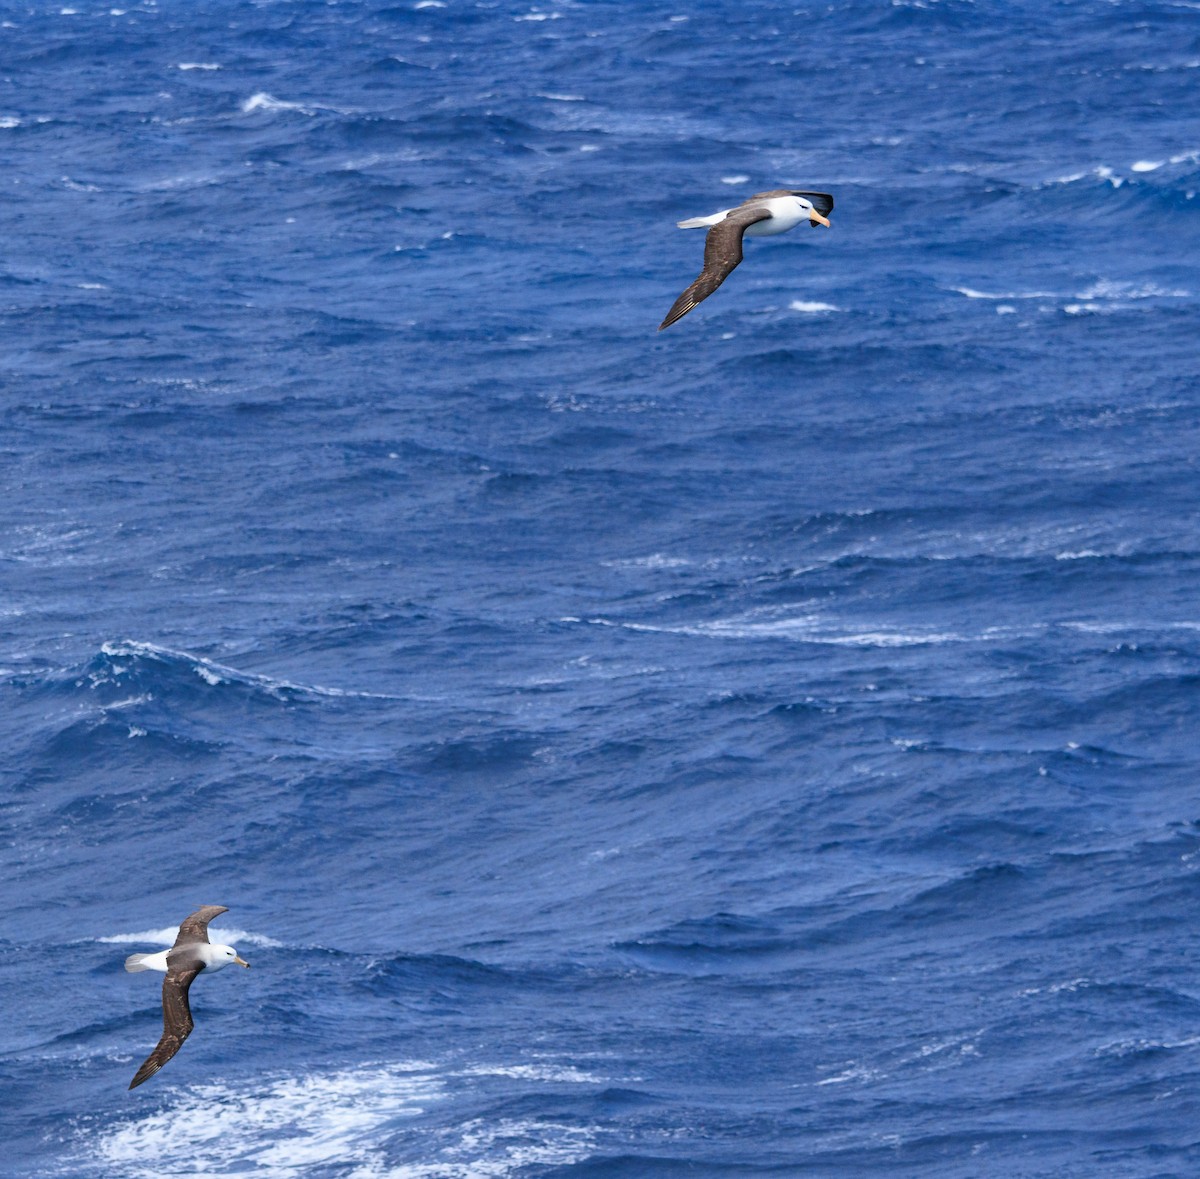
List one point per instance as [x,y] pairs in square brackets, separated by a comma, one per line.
[807,210]
[216,956]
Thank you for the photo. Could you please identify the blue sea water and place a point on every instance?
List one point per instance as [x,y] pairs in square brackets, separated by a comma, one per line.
[767,748]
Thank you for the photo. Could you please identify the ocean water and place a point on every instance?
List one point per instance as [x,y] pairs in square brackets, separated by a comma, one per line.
[763,748]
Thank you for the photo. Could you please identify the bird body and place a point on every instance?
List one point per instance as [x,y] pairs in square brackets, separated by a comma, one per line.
[786,213]
[762,215]
[214,955]
[191,954]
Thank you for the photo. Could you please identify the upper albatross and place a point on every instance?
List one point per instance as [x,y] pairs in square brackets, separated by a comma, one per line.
[191,953]
[763,214]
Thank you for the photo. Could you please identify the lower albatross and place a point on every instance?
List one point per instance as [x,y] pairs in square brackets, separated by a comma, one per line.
[763,214]
[191,953]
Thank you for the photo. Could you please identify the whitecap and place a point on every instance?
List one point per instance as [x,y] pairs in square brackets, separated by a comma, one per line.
[856,1072]
[735,179]
[214,674]
[1147,165]
[496,1149]
[1107,289]
[971,293]
[274,1127]
[555,1073]
[7,122]
[295,1125]
[262,101]
[652,561]
[167,936]
[802,629]
[563,97]
[197,65]
[811,308]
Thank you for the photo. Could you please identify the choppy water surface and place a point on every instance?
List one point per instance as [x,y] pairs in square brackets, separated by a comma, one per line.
[763,748]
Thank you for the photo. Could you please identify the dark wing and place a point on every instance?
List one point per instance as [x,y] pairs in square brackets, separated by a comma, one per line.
[195,927]
[177,1021]
[722,252]
[821,201]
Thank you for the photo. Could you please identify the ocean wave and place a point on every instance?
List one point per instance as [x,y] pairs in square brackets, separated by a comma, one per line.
[123,662]
[402,1120]
[274,1127]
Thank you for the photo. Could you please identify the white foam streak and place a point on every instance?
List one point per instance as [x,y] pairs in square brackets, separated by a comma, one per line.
[167,936]
[493,1150]
[553,1073]
[215,674]
[971,293]
[1103,289]
[811,308]
[279,1128]
[804,629]
[287,1127]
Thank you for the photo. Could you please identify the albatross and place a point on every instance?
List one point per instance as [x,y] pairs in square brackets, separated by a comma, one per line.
[191,953]
[762,215]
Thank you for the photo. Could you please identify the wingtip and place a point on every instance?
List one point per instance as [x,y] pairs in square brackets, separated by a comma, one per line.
[141,1076]
[682,306]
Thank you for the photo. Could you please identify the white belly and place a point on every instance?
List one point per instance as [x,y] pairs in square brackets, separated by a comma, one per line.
[785,214]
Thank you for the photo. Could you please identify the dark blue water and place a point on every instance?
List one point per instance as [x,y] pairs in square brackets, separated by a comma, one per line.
[763,748]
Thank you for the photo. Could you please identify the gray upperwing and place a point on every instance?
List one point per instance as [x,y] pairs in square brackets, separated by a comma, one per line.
[722,254]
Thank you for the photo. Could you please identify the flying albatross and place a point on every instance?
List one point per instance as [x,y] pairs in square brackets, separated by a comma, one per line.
[191,953]
[763,214]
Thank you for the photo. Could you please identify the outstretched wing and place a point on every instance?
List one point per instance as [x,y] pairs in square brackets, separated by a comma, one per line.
[722,253]
[195,927]
[177,1020]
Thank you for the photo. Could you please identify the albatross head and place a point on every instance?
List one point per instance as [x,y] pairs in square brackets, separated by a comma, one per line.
[807,209]
[216,956]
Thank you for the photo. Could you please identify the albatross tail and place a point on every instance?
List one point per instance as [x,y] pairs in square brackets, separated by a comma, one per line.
[136,962]
[698,222]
